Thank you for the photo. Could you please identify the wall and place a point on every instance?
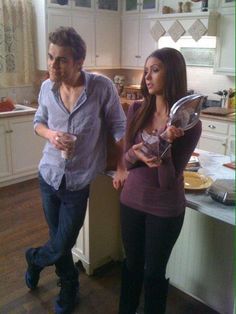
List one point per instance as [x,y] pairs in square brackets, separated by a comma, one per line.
[200,79]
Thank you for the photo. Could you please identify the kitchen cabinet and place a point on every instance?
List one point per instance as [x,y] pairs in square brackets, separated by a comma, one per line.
[225,45]
[20,150]
[137,42]
[110,6]
[100,28]
[99,240]
[215,135]
[202,261]
[134,6]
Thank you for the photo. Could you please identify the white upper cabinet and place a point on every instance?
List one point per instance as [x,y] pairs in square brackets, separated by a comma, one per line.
[101,5]
[225,45]
[137,42]
[99,26]
[107,41]
[135,6]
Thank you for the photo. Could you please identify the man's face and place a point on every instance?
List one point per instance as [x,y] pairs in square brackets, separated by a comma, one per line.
[61,65]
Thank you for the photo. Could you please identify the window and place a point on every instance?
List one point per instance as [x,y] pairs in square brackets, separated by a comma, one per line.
[17,61]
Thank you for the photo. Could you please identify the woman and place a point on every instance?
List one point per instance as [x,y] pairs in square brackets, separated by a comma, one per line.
[152,200]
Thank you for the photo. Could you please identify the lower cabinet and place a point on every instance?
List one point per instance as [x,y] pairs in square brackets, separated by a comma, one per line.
[99,241]
[20,150]
[202,261]
[216,135]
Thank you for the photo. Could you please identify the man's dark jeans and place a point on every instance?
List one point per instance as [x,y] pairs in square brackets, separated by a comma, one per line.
[64,212]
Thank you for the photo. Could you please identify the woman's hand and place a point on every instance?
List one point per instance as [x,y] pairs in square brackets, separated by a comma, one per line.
[172,133]
[151,162]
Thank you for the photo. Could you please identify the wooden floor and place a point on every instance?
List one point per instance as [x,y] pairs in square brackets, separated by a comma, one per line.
[22,225]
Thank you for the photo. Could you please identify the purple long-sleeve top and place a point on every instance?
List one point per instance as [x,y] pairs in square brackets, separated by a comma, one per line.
[160,190]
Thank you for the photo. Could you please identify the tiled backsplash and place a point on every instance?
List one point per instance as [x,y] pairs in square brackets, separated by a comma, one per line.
[201,80]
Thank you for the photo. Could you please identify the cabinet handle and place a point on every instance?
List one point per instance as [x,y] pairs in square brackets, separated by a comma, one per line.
[138,57]
[211,126]
[97,56]
[9,131]
[223,144]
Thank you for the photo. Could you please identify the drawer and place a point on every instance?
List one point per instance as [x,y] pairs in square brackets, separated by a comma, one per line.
[214,126]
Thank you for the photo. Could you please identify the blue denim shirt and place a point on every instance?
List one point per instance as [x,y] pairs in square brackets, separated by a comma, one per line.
[96,112]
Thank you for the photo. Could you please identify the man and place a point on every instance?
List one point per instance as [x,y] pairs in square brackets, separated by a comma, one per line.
[87,106]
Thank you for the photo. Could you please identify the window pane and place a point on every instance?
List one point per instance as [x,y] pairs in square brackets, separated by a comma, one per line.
[131,5]
[83,3]
[108,5]
[148,4]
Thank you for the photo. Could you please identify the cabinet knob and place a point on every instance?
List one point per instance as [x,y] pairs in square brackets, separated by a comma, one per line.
[97,56]
[9,131]
[211,126]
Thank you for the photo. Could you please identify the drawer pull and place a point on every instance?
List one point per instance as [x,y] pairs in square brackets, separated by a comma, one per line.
[9,131]
[211,126]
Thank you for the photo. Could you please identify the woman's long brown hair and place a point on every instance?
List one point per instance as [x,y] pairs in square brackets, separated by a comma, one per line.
[175,88]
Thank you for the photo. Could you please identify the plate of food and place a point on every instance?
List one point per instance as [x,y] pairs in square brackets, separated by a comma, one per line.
[196,181]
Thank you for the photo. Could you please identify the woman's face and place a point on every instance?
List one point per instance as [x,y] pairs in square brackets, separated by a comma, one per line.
[154,73]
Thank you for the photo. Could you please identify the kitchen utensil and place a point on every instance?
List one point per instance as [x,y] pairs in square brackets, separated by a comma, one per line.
[222,190]
[185,114]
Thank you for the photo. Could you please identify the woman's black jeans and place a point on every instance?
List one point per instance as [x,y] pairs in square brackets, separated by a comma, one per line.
[148,241]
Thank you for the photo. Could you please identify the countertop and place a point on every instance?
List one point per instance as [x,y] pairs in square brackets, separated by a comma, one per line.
[212,166]
[230,118]
[20,110]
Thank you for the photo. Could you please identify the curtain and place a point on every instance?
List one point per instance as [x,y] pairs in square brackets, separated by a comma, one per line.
[17,61]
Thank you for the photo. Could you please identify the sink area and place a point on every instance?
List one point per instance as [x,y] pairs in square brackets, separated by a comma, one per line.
[19,110]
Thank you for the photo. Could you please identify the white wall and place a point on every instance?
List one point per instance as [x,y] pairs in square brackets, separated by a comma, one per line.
[203,80]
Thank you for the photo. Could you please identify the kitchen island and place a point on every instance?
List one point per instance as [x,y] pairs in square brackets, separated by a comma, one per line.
[202,262]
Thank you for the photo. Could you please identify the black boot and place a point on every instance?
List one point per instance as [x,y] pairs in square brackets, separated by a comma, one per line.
[33,271]
[68,296]
[131,287]
[155,295]
[69,292]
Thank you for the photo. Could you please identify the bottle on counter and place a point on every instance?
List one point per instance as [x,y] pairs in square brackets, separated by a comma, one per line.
[204,7]
[231,102]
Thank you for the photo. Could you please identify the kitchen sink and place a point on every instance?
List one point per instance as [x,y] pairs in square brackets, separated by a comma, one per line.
[19,110]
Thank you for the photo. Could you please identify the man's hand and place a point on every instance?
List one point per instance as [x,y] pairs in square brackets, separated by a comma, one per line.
[119,178]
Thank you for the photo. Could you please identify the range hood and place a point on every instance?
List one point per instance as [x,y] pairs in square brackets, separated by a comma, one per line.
[177,25]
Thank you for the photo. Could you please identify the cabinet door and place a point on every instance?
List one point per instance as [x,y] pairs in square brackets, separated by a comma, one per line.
[215,144]
[146,42]
[5,153]
[26,147]
[84,25]
[225,47]
[57,18]
[130,41]
[107,42]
